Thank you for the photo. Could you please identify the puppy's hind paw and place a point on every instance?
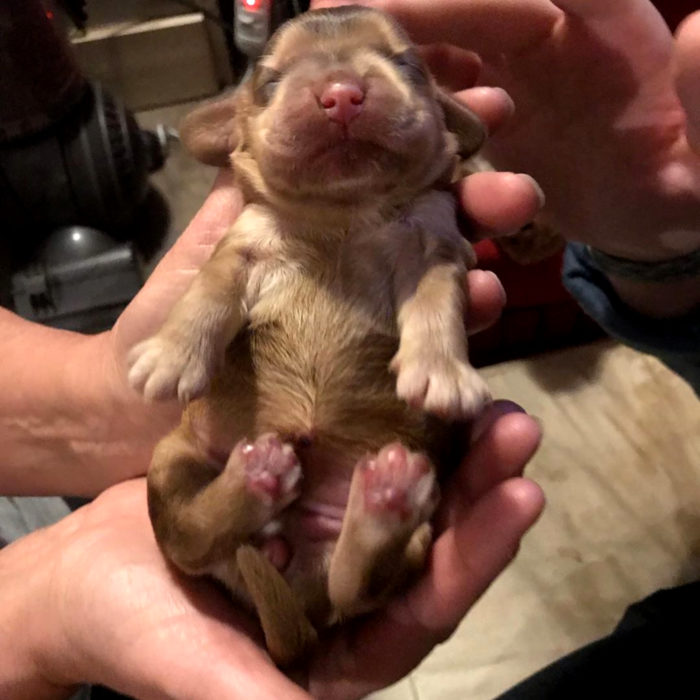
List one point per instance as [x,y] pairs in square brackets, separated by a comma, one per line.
[271,467]
[399,484]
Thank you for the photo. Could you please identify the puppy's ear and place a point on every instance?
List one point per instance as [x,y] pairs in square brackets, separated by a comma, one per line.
[463,123]
[210,133]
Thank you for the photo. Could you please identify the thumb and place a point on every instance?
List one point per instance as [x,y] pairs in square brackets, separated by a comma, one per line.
[483,26]
[174,273]
[687,75]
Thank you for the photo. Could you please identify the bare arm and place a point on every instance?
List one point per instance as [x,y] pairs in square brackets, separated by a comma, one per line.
[53,409]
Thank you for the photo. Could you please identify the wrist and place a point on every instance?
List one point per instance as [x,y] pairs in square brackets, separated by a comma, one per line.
[661,288]
[28,624]
[658,300]
[120,429]
[69,424]
[42,409]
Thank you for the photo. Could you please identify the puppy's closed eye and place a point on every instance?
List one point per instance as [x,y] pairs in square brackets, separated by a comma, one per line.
[411,67]
[265,82]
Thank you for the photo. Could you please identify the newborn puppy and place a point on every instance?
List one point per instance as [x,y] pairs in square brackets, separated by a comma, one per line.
[321,351]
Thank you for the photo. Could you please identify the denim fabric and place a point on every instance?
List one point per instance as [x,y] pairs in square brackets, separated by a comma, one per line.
[676,342]
[20,516]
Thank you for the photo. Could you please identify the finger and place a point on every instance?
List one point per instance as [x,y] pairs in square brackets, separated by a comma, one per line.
[492,105]
[464,562]
[500,203]
[486,26]
[504,440]
[687,75]
[453,68]
[601,9]
[466,558]
[486,300]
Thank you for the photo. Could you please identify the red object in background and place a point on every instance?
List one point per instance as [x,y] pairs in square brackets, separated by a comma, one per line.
[540,314]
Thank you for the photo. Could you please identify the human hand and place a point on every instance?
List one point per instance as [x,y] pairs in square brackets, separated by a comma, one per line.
[91,598]
[608,115]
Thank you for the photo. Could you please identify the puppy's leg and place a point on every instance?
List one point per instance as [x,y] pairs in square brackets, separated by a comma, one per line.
[200,514]
[180,360]
[385,532]
[432,363]
[432,367]
[288,632]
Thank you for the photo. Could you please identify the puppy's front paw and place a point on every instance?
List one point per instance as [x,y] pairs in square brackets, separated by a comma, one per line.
[161,368]
[444,386]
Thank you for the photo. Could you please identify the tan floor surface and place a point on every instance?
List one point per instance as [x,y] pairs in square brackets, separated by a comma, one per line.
[620,464]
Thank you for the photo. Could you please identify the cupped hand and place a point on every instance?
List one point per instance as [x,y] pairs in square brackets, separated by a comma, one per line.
[607,110]
[99,604]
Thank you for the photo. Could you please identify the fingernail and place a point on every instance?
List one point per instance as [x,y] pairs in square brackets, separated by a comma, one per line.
[501,289]
[499,408]
[507,101]
[538,190]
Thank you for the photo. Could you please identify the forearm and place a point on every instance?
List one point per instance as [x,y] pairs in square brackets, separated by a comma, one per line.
[669,299]
[64,419]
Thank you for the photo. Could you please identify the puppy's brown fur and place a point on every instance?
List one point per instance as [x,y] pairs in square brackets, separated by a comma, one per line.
[345,268]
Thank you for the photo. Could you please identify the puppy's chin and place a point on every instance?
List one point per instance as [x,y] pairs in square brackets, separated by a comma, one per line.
[342,172]
[336,165]
[345,162]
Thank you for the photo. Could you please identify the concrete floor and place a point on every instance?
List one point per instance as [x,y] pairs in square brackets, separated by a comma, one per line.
[620,464]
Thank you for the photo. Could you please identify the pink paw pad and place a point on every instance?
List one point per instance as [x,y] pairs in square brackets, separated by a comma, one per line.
[271,467]
[400,482]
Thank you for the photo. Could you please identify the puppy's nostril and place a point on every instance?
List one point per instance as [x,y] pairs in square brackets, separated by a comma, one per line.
[342,101]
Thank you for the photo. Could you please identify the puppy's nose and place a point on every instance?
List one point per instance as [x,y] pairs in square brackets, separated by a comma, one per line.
[342,101]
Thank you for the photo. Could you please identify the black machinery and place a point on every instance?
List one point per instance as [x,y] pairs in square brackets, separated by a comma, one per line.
[74,166]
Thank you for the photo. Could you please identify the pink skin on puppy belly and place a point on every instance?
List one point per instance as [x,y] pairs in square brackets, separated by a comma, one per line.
[278,551]
[318,522]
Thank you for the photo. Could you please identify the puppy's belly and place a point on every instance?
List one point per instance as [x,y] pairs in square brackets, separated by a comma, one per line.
[330,393]
[327,391]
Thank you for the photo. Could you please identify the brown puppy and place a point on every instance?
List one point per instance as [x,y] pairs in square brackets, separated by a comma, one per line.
[303,474]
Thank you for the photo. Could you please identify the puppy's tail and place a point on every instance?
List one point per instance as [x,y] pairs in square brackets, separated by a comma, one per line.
[288,633]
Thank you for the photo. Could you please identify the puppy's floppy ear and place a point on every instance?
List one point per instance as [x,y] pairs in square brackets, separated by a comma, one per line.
[210,133]
[463,123]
